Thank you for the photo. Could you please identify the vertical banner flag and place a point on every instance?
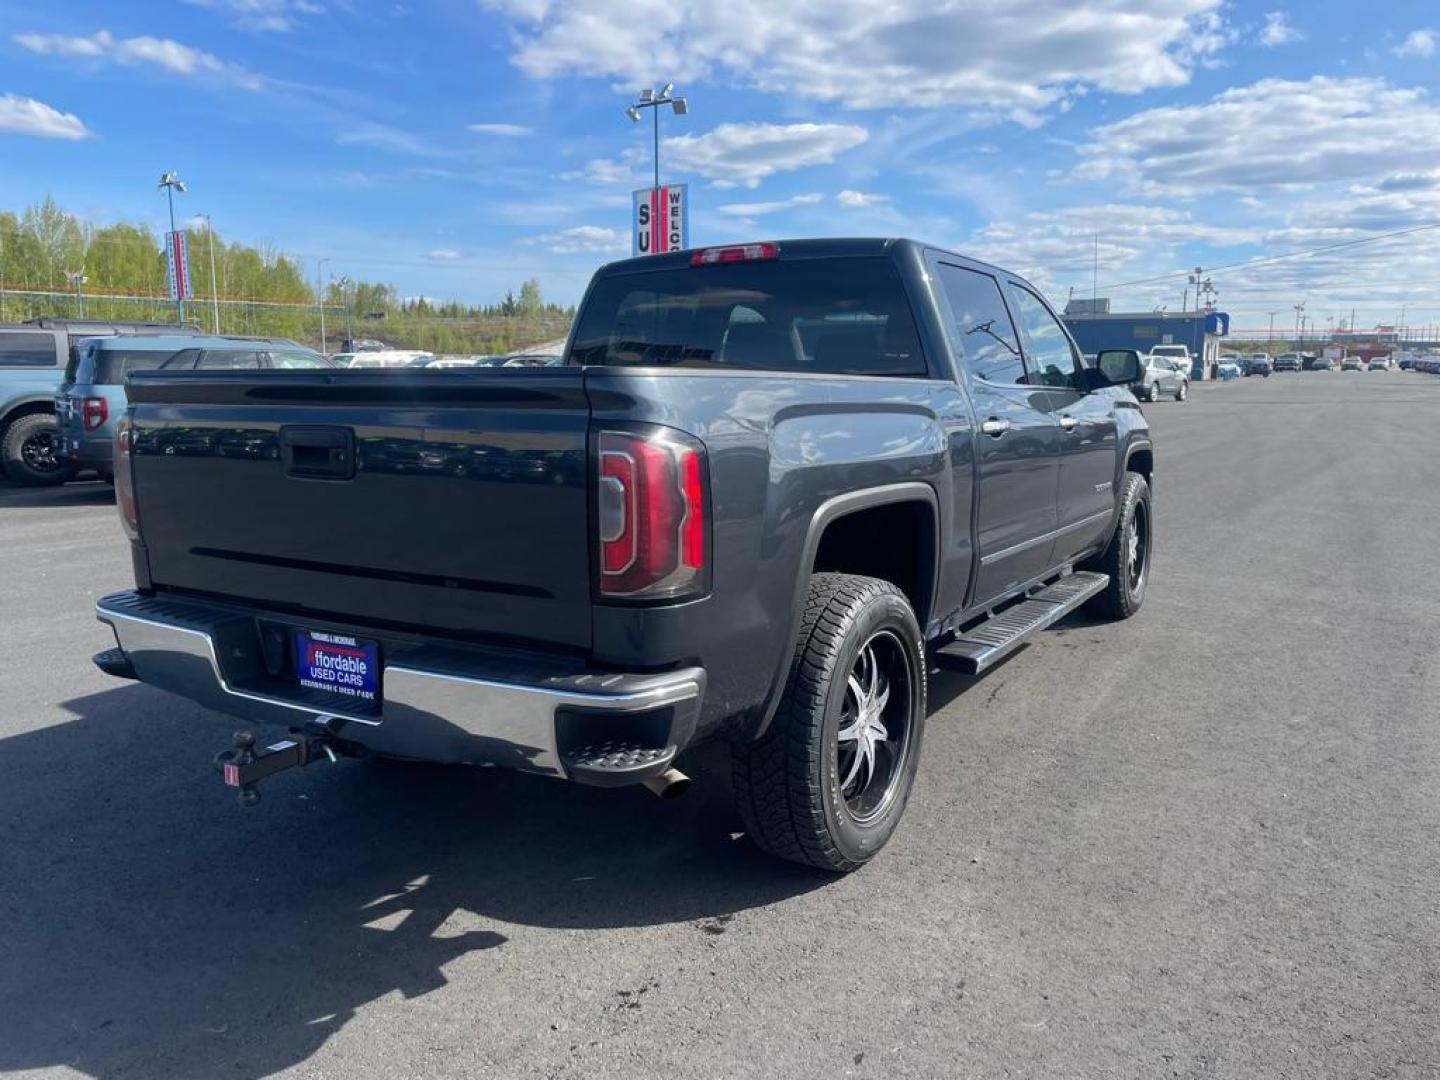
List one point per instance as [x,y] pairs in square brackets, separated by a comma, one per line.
[661,219]
[177,265]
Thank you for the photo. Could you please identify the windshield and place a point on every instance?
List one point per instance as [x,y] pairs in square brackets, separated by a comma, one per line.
[835,316]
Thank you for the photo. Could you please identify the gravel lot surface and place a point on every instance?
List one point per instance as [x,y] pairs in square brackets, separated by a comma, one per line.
[1203,843]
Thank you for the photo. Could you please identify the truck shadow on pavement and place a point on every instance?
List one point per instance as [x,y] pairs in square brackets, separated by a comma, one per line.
[154,928]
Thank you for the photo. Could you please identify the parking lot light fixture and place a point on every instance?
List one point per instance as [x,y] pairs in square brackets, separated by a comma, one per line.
[655,100]
[77,279]
[171,183]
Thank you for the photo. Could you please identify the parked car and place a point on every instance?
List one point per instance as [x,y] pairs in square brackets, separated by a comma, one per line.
[1229,368]
[1179,356]
[389,358]
[1288,362]
[1379,363]
[1160,376]
[706,542]
[92,396]
[33,359]
[1258,364]
[1352,363]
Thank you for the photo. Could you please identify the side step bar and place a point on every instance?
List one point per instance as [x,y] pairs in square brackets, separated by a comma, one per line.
[997,637]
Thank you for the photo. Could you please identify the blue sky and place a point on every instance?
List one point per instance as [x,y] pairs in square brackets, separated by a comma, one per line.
[455,147]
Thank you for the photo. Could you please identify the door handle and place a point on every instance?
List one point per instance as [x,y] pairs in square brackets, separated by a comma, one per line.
[1067,423]
[994,427]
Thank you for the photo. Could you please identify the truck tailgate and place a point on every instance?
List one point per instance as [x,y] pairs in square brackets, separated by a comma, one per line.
[452,501]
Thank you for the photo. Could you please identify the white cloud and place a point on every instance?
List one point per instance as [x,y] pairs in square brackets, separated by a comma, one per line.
[755,209]
[583,240]
[731,155]
[26,116]
[1016,59]
[165,53]
[744,154]
[1056,248]
[860,200]
[512,131]
[274,16]
[443,255]
[1419,43]
[1278,30]
[1332,130]
[382,137]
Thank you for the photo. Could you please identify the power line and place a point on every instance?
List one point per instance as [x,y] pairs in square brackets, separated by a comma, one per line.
[1262,260]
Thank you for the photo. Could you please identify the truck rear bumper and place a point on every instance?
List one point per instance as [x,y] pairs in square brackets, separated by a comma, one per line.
[438,702]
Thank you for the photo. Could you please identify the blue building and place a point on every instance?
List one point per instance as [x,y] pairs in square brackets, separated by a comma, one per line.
[1200,331]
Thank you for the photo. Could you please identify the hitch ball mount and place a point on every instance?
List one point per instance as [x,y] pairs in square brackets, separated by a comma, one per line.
[243,767]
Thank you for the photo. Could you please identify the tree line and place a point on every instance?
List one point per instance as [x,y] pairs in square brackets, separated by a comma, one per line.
[262,290]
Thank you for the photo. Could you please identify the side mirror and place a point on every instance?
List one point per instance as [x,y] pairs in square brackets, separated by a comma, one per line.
[1115,367]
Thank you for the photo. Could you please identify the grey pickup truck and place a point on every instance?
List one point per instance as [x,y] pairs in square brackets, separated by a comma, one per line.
[771,488]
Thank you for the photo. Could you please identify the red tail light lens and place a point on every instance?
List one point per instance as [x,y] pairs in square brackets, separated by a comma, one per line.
[125,480]
[95,411]
[651,516]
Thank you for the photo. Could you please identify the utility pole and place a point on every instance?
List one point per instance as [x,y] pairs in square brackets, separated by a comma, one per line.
[172,183]
[1095,278]
[214,295]
[320,298]
[77,279]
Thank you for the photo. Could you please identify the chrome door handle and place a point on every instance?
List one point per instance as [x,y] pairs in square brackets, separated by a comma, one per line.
[1067,423]
[994,427]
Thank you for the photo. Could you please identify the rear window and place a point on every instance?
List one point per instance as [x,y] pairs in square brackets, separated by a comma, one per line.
[844,316]
[299,358]
[110,366]
[27,350]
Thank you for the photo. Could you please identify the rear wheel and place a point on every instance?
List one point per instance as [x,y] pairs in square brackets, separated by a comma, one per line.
[827,783]
[1127,557]
[31,452]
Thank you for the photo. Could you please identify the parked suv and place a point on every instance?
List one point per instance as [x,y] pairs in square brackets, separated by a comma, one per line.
[1179,356]
[1159,376]
[1288,362]
[1258,364]
[92,396]
[771,485]
[33,358]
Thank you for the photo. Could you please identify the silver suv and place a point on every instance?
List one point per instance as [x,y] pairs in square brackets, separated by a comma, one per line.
[1159,375]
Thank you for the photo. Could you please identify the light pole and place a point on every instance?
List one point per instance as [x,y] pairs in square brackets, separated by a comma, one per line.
[1194,279]
[214,295]
[76,279]
[1270,341]
[654,99]
[320,298]
[172,183]
[1299,318]
[344,284]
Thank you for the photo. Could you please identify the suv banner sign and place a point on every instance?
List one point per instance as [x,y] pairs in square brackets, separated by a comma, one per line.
[177,264]
[660,221]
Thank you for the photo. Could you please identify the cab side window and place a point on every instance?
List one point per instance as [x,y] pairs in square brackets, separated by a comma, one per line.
[1049,354]
[228,360]
[989,345]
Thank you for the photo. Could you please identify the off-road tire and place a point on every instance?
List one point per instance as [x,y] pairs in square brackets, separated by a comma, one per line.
[1122,597]
[13,452]
[787,783]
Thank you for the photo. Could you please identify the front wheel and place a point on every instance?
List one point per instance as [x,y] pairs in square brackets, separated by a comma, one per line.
[828,781]
[1127,557]
[1152,392]
[1182,393]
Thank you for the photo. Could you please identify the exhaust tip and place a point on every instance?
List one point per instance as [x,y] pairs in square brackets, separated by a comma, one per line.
[670,784]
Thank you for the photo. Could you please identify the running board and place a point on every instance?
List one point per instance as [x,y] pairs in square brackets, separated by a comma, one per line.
[997,637]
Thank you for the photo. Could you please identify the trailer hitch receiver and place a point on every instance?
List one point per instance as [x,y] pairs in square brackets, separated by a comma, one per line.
[243,766]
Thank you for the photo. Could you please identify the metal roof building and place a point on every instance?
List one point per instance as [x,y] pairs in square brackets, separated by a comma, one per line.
[1199,330]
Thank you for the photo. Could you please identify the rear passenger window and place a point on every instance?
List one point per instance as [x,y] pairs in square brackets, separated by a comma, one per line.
[1051,360]
[228,360]
[112,365]
[988,343]
[27,350]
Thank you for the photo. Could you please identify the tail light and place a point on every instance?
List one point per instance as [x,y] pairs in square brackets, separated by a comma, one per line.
[94,411]
[735,253]
[652,516]
[125,479]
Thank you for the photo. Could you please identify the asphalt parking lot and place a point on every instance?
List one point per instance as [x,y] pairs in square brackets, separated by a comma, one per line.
[1203,843]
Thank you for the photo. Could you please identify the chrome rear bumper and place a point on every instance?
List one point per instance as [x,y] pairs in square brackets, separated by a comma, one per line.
[439,703]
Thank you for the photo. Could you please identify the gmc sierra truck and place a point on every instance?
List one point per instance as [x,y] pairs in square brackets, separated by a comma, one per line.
[772,486]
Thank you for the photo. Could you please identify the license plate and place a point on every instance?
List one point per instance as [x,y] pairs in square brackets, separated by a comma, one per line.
[338,664]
